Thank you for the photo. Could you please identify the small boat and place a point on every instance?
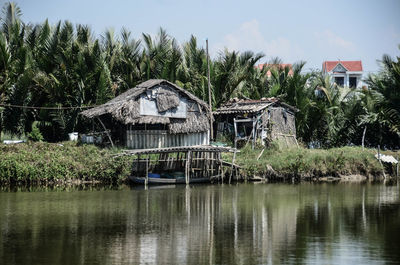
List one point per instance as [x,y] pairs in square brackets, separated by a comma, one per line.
[163,180]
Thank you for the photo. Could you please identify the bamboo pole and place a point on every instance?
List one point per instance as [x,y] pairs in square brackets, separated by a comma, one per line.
[258,157]
[209,92]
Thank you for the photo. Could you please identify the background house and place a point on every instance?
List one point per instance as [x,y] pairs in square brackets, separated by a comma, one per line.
[267,119]
[155,114]
[344,73]
[276,67]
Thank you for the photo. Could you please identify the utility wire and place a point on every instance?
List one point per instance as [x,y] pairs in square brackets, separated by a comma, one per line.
[45,108]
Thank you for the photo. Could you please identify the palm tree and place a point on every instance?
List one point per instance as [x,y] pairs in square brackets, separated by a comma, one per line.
[192,75]
[232,70]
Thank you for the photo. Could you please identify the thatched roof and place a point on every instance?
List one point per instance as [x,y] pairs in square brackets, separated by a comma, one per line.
[237,106]
[126,108]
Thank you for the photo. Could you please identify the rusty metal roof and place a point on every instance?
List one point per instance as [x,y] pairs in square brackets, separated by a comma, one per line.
[242,108]
[236,105]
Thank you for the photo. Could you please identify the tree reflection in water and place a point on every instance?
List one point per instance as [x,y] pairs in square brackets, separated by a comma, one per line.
[213,224]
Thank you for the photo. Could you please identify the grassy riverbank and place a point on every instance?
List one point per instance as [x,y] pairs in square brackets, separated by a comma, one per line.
[63,162]
[308,163]
[70,162]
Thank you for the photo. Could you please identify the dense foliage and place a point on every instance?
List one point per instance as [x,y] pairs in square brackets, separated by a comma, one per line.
[42,162]
[39,162]
[64,66]
[303,163]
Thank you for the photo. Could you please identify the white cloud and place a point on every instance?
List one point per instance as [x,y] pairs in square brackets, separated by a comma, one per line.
[327,38]
[249,37]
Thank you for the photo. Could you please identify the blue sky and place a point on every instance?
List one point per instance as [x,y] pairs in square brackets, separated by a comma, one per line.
[312,31]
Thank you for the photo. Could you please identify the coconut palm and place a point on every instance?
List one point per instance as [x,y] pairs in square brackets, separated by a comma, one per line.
[232,70]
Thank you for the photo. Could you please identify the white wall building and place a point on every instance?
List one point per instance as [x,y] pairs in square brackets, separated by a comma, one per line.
[344,73]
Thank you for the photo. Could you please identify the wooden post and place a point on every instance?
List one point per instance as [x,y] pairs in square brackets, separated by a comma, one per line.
[187,167]
[253,134]
[147,171]
[221,170]
[209,92]
[105,129]
[380,162]
[235,127]
[233,162]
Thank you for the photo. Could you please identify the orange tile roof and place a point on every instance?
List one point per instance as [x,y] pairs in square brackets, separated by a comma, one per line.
[354,66]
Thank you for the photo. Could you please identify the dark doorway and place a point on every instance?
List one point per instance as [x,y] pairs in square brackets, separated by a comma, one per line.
[353,81]
[339,81]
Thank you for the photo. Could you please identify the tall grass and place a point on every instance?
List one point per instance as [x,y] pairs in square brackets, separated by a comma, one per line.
[302,162]
[67,161]
[10,136]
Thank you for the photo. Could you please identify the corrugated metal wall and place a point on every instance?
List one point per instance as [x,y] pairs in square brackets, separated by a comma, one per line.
[142,139]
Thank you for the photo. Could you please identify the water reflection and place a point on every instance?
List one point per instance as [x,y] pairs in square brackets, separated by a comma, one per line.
[219,224]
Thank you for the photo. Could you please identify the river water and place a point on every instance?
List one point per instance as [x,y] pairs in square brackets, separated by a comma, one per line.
[204,224]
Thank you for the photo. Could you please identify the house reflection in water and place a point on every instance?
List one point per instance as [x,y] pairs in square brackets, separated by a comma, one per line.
[204,224]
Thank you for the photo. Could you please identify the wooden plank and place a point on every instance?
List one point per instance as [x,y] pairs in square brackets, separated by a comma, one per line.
[243,120]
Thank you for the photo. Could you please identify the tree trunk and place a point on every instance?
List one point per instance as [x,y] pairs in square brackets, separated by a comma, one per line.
[363,137]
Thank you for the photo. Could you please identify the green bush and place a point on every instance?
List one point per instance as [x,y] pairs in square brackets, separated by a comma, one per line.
[35,135]
[67,161]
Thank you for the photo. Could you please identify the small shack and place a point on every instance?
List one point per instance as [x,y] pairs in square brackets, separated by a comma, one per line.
[154,114]
[267,119]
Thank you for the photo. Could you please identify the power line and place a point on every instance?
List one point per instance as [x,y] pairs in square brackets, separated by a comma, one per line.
[45,108]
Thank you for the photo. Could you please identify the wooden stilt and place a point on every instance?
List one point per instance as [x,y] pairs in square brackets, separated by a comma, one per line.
[235,127]
[220,168]
[254,134]
[233,162]
[147,171]
[187,167]
[105,129]
[379,158]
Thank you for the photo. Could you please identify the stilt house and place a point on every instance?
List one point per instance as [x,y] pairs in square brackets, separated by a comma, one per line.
[154,114]
[267,119]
